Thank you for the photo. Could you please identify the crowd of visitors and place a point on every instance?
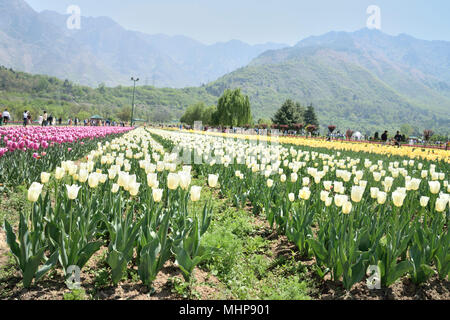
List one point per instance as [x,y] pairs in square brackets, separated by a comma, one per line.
[47,119]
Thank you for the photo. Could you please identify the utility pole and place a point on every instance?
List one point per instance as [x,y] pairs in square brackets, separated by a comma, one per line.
[132,106]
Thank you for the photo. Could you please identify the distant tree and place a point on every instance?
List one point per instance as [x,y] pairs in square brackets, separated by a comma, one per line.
[406,129]
[264,121]
[101,88]
[233,109]
[124,114]
[193,113]
[427,134]
[289,114]
[349,134]
[82,115]
[310,116]
[207,116]
[161,115]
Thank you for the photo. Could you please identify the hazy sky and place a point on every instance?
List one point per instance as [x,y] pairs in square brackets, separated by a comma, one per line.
[259,21]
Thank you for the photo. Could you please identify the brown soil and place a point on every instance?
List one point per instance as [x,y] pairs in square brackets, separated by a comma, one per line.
[52,286]
[403,289]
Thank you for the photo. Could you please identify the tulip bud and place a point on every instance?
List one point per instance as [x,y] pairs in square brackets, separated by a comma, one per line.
[374,192]
[346,207]
[424,201]
[291,197]
[157,194]
[93,180]
[45,177]
[59,173]
[324,195]
[398,197]
[435,186]
[185,179]
[115,188]
[212,180]
[83,175]
[172,181]
[304,193]
[381,197]
[195,193]
[34,191]
[357,193]
[441,204]
[134,189]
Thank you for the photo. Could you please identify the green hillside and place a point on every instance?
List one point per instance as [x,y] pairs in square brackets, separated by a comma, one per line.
[348,88]
[20,91]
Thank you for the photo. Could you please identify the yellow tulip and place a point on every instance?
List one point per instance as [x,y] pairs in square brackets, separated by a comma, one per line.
[347,207]
[304,193]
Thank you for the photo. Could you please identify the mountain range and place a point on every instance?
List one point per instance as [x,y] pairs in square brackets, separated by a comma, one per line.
[102,51]
[365,80]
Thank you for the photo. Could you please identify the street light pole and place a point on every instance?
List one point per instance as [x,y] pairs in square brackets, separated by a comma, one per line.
[132,106]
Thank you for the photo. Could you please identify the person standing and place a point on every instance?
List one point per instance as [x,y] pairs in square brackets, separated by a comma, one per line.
[50,119]
[384,137]
[397,139]
[25,118]
[6,116]
[40,119]
[44,119]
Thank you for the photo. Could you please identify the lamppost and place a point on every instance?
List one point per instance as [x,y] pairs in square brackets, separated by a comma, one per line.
[132,106]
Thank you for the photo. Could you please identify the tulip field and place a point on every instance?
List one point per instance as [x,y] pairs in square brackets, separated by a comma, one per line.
[361,213]
[25,152]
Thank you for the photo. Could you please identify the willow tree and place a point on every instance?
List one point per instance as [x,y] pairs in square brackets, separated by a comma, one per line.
[233,109]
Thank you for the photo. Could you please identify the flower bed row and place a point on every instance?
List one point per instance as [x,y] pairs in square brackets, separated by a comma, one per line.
[25,152]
